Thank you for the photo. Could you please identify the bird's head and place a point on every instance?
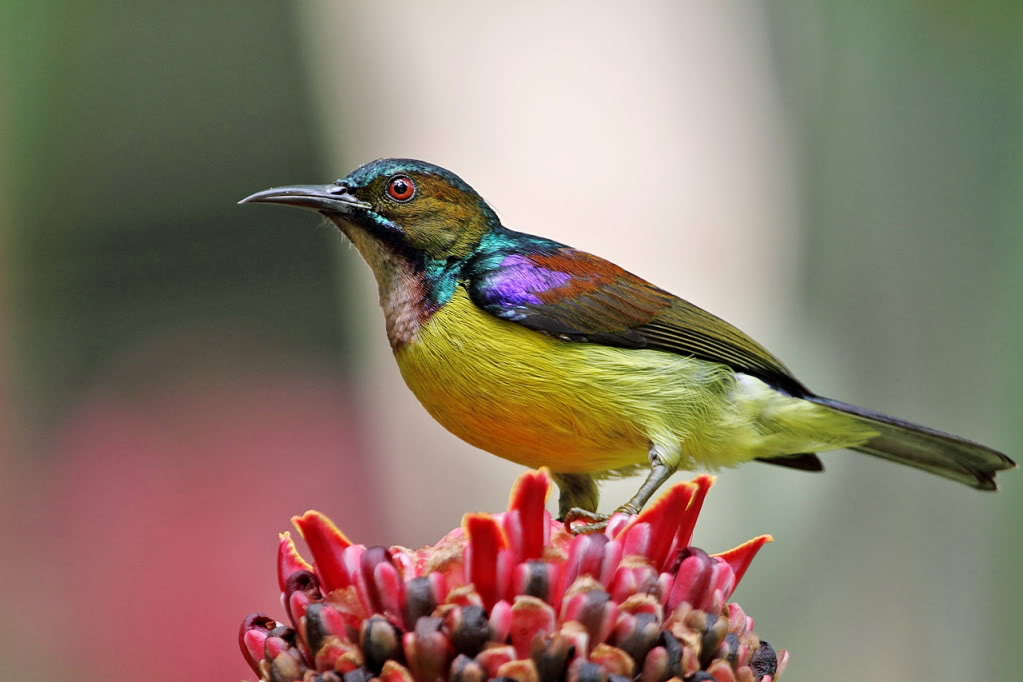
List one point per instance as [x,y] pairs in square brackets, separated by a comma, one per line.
[403,206]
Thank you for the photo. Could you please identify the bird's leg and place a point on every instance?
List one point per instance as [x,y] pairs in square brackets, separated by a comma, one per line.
[660,471]
[577,491]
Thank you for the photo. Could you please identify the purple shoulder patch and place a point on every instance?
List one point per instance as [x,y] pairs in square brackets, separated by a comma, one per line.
[518,280]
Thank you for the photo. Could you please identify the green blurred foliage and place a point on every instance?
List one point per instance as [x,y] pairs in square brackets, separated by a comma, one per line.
[131,129]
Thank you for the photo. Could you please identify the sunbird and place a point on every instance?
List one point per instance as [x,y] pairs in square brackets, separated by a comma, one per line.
[546,355]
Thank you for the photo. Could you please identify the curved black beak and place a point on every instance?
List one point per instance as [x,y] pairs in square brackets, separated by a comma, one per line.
[335,198]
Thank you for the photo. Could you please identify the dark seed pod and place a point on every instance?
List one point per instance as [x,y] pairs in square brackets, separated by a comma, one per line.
[419,600]
[764,661]
[470,630]
[316,629]
[538,580]
[464,669]
[732,648]
[592,613]
[715,633]
[551,655]
[380,642]
[285,632]
[641,639]
[673,646]
[286,668]
[303,581]
[306,583]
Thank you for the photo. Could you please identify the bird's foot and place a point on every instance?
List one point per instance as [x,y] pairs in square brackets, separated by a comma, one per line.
[596,522]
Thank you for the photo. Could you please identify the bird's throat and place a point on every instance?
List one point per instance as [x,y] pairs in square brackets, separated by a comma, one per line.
[407,292]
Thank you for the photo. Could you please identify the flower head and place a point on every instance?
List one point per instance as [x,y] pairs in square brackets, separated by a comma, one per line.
[514,595]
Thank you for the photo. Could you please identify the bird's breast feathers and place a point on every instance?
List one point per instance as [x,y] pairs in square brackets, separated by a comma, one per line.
[514,392]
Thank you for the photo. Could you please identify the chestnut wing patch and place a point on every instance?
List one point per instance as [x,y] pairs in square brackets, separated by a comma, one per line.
[577,296]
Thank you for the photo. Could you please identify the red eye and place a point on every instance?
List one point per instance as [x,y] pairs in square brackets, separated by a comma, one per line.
[401,188]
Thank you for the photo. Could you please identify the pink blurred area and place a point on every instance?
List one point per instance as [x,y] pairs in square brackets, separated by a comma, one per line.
[148,526]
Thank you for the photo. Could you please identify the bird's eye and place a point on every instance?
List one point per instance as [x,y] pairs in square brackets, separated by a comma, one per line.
[401,188]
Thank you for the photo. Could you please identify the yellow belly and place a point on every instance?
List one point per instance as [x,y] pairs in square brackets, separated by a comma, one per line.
[516,393]
[587,408]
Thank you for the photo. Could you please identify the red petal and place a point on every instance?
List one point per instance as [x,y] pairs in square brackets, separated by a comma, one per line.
[492,659]
[585,557]
[703,484]
[505,568]
[252,638]
[289,560]
[427,650]
[529,498]
[664,516]
[722,581]
[485,541]
[609,564]
[635,538]
[439,585]
[594,610]
[327,544]
[500,621]
[692,580]
[298,604]
[632,578]
[365,579]
[390,588]
[514,533]
[741,557]
[274,647]
[624,584]
[530,618]
[737,619]
[617,523]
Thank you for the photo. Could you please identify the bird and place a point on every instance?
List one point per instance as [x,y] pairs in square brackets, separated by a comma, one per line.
[549,356]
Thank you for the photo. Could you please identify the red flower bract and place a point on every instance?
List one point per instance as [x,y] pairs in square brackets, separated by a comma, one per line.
[514,595]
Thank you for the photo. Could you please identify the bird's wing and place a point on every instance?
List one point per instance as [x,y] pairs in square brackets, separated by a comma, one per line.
[579,297]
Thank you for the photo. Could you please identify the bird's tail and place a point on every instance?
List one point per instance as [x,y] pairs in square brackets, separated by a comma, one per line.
[924,448]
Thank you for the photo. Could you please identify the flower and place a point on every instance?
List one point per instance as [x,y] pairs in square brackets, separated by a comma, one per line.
[514,595]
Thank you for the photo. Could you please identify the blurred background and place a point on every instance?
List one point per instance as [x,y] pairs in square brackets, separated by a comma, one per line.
[180,375]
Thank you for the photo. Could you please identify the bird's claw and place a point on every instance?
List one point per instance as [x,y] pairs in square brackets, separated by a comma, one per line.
[597,521]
